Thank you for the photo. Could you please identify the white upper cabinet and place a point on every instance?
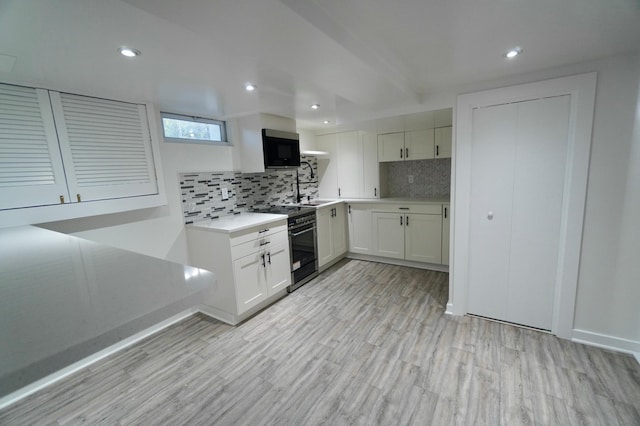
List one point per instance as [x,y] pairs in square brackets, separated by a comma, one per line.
[31,171]
[349,159]
[58,148]
[443,142]
[106,147]
[391,147]
[352,169]
[370,166]
[419,144]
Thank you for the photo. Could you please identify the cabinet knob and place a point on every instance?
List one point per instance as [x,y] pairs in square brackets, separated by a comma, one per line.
[490,215]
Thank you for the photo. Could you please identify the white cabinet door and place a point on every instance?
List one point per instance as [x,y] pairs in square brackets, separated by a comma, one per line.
[388,234]
[323,218]
[370,165]
[250,282]
[443,142]
[278,271]
[419,144]
[105,146]
[327,167]
[391,147]
[339,231]
[423,238]
[446,232]
[31,173]
[349,159]
[360,229]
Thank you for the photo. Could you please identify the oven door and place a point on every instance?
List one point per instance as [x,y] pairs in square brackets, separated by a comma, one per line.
[303,252]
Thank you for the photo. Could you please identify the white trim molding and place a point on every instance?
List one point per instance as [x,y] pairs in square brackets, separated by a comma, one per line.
[604,341]
[582,89]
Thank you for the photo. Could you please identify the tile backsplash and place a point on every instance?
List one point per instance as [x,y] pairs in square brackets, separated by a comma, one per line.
[202,191]
[431,178]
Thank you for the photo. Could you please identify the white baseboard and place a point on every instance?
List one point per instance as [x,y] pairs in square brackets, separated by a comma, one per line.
[604,341]
[400,262]
[85,362]
[449,310]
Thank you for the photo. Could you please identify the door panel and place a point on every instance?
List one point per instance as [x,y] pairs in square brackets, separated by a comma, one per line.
[541,156]
[423,238]
[493,154]
[388,235]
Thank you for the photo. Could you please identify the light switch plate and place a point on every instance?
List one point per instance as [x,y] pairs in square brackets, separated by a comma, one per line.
[410,178]
[225,193]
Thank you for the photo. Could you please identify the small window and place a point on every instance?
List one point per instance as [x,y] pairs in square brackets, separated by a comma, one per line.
[183,128]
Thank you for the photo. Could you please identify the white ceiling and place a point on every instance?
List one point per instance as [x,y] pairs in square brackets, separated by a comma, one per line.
[358,59]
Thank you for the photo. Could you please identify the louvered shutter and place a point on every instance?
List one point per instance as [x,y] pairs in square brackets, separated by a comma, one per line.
[106,147]
[31,172]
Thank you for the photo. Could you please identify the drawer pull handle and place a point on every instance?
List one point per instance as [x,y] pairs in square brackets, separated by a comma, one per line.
[403,208]
[263,231]
[264,243]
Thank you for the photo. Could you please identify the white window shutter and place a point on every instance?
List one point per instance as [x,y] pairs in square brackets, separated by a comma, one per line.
[106,147]
[31,172]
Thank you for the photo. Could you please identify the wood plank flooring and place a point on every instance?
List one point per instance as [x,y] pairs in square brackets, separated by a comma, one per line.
[362,344]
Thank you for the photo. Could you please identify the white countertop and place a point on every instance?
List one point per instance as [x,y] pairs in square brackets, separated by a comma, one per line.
[238,222]
[63,298]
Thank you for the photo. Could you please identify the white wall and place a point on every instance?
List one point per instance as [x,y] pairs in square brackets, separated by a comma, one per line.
[157,232]
[608,299]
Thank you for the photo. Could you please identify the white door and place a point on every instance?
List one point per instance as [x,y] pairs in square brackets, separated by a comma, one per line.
[360,229]
[350,175]
[339,230]
[278,268]
[388,235]
[370,165]
[443,142]
[423,238]
[391,147]
[446,232]
[323,224]
[518,167]
[249,275]
[419,144]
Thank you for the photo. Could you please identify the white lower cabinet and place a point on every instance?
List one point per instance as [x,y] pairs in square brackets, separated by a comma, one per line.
[332,233]
[252,266]
[410,233]
[360,225]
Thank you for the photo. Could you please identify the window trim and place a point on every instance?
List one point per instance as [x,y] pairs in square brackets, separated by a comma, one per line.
[223,129]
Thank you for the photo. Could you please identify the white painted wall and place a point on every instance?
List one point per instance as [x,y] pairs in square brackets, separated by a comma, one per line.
[609,287]
[157,232]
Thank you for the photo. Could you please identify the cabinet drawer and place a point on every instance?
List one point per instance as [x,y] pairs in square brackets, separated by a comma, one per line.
[258,232]
[409,208]
[265,242]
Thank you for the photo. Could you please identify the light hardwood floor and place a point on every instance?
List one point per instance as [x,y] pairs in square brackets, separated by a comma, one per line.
[364,343]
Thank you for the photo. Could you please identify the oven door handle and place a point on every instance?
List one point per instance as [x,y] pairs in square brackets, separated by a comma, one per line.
[295,234]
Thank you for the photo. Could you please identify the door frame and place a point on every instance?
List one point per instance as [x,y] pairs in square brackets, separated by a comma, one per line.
[582,89]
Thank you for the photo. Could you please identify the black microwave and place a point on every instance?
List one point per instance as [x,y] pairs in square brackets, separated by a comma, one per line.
[281,149]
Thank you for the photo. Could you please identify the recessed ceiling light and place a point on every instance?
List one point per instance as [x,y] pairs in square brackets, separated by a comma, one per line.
[512,53]
[250,87]
[315,106]
[129,52]
[326,122]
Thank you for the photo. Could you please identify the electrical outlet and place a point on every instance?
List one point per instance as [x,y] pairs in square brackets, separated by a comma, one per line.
[225,193]
[410,178]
